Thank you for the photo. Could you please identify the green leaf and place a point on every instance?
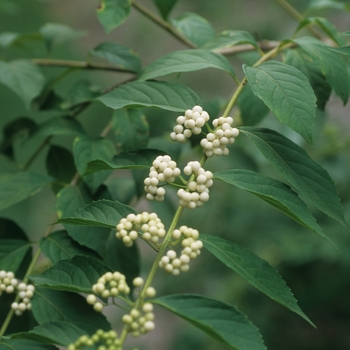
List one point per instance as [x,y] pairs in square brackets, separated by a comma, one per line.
[273,192]
[165,6]
[302,61]
[141,159]
[323,4]
[332,65]
[10,230]
[51,305]
[171,97]
[103,213]
[186,61]
[20,344]
[58,246]
[57,33]
[194,27]
[12,252]
[85,150]
[130,129]
[252,108]
[218,320]
[307,177]
[15,187]
[121,55]
[112,13]
[344,50]
[287,92]
[23,78]
[255,270]
[229,38]
[77,274]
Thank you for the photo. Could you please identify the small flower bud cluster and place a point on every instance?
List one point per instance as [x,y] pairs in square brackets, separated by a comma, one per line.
[198,192]
[9,284]
[163,170]
[150,225]
[192,248]
[215,143]
[107,340]
[191,123]
[111,284]
[140,321]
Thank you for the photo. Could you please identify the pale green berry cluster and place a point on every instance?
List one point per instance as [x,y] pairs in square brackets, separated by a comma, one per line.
[163,170]
[151,227]
[191,249]
[191,123]
[103,340]
[111,284]
[140,322]
[9,284]
[197,192]
[215,142]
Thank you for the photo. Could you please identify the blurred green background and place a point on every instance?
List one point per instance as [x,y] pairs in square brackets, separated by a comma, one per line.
[318,274]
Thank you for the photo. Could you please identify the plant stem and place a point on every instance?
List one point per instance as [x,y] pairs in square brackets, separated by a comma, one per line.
[166,25]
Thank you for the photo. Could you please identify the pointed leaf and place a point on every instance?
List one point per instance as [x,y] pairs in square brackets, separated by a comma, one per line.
[78,274]
[186,61]
[194,27]
[323,4]
[10,230]
[12,253]
[229,38]
[141,159]
[287,92]
[302,61]
[255,270]
[332,65]
[20,344]
[307,177]
[171,97]
[23,78]
[15,187]
[218,320]
[165,6]
[121,55]
[112,13]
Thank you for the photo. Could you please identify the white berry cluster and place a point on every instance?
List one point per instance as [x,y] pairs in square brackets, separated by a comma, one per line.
[192,248]
[9,284]
[163,170]
[111,284]
[191,123]
[151,227]
[215,142]
[140,322]
[106,340]
[198,189]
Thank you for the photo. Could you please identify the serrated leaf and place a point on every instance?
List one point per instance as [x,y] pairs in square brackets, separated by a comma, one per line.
[103,213]
[15,187]
[302,61]
[130,129]
[121,55]
[112,13]
[58,246]
[23,78]
[255,270]
[85,150]
[307,177]
[165,6]
[171,97]
[20,344]
[229,38]
[141,159]
[218,320]
[332,65]
[12,252]
[186,61]
[194,27]
[51,305]
[77,274]
[273,192]
[287,92]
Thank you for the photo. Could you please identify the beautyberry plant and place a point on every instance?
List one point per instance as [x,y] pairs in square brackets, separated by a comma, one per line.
[123,193]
